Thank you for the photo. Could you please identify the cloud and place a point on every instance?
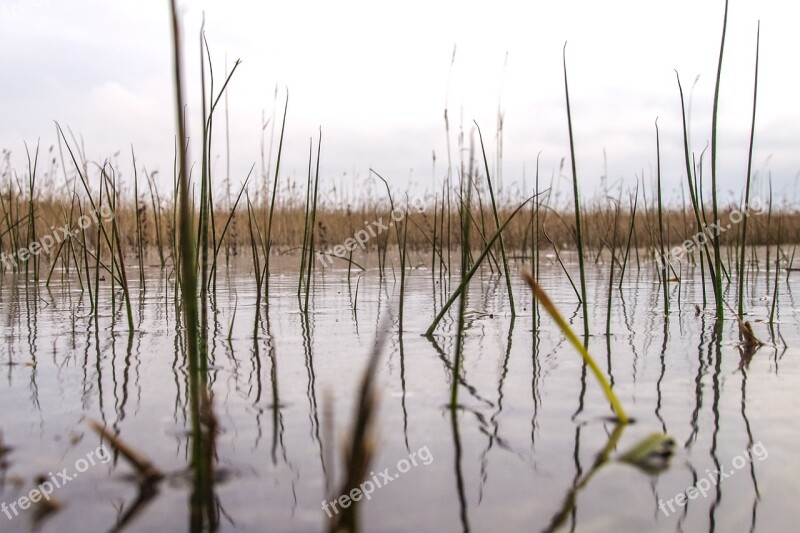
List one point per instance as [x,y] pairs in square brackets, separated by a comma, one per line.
[376,80]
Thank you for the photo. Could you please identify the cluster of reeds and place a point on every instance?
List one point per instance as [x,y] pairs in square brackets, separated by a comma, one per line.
[150,242]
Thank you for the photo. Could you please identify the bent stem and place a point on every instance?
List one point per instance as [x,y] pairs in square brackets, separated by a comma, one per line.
[562,324]
[475,266]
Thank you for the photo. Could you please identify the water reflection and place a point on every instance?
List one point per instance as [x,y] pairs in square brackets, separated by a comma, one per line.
[519,450]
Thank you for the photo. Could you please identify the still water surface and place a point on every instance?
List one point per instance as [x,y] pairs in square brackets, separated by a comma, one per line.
[531,424]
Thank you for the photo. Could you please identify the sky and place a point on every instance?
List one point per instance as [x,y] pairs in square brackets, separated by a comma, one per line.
[375,78]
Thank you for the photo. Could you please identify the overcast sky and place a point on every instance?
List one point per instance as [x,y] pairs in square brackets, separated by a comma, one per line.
[374,76]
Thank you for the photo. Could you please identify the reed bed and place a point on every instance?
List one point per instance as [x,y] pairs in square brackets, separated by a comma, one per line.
[335,224]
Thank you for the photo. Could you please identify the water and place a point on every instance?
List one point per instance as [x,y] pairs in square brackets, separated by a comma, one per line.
[531,422]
